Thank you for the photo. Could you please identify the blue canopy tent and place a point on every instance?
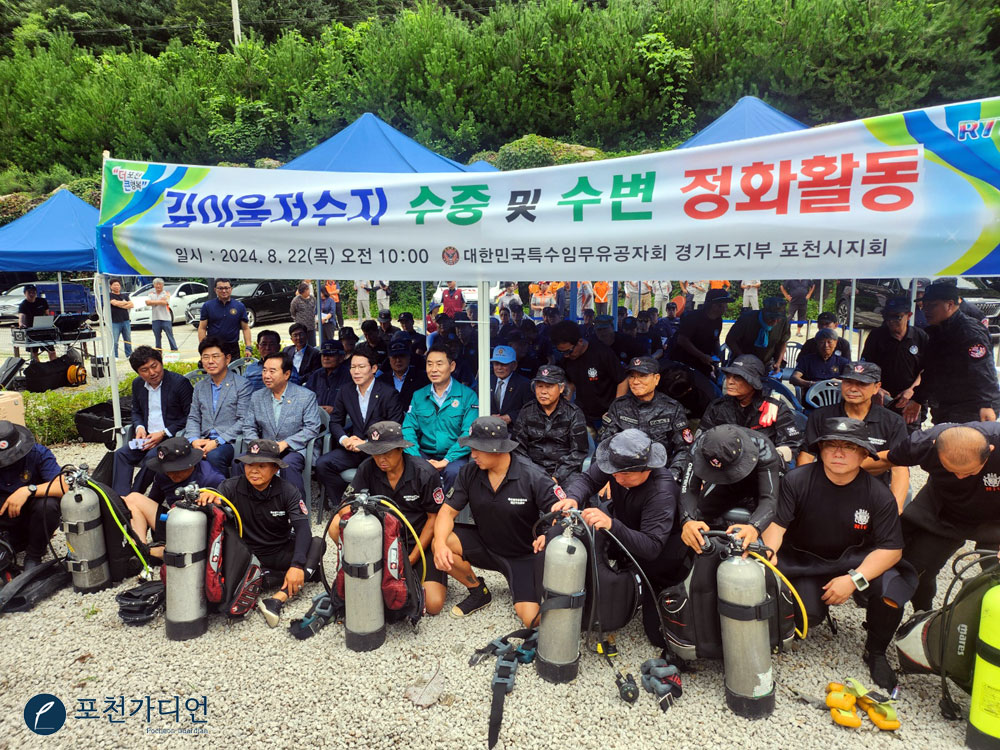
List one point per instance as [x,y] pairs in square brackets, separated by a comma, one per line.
[748,118]
[372,145]
[58,235]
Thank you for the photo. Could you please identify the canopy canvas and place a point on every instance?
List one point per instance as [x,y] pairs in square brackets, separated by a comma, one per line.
[57,235]
[910,194]
[748,118]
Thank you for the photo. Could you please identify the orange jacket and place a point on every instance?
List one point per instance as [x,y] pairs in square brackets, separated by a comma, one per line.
[601,291]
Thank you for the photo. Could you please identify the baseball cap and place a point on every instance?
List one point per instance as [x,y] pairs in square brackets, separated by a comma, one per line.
[550,374]
[896,305]
[384,315]
[938,291]
[604,321]
[504,355]
[331,346]
[645,365]
[863,372]
[717,295]
[408,316]
[398,348]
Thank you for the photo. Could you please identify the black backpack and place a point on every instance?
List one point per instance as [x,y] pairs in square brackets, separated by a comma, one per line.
[126,551]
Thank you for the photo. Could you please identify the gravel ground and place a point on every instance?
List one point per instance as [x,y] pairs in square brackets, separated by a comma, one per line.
[266,689]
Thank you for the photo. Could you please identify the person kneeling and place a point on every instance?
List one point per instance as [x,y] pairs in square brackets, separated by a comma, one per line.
[837,534]
[507,494]
[176,463]
[275,520]
[414,487]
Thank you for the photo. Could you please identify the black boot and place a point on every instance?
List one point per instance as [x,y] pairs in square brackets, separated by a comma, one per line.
[881,624]
[880,669]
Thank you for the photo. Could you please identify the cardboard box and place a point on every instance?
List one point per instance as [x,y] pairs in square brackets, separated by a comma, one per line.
[12,407]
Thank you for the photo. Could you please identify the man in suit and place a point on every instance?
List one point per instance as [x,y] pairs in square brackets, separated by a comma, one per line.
[405,377]
[218,407]
[305,358]
[368,402]
[508,390]
[327,380]
[160,403]
[268,343]
[286,413]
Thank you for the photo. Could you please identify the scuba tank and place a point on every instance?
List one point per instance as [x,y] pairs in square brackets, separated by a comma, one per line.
[983,729]
[364,618]
[744,612]
[563,581]
[185,554]
[81,521]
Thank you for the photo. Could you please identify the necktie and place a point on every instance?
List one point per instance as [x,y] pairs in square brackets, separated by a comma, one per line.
[498,393]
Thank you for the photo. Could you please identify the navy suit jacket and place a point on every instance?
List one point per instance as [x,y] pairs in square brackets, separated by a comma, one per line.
[382,405]
[175,402]
[516,395]
[413,381]
[310,362]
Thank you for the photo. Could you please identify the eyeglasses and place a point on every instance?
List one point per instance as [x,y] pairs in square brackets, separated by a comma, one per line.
[212,357]
[360,368]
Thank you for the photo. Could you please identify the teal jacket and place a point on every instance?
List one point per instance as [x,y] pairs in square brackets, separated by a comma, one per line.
[435,432]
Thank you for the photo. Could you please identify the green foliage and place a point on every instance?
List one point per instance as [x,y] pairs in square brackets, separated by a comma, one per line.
[533,151]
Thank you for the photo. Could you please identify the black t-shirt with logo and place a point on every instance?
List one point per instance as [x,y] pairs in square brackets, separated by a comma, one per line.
[595,374]
[886,429]
[269,516]
[505,517]
[826,519]
[901,361]
[417,493]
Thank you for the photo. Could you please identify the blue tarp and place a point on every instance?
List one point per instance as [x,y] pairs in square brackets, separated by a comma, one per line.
[748,118]
[371,145]
[58,235]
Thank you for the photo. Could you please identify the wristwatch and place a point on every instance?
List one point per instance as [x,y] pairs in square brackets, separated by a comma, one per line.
[32,489]
[860,582]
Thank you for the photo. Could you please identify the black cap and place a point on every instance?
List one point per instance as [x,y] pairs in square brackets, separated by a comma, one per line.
[408,316]
[939,291]
[630,322]
[550,374]
[896,305]
[846,429]
[724,454]
[174,454]
[262,452]
[630,450]
[385,315]
[383,437]
[399,348]
[749,367]
[604,321]
[347,332]
[717,295]
[645,365]
[863,372]
[331,347]
[15,442]
[774,306]
[488,434]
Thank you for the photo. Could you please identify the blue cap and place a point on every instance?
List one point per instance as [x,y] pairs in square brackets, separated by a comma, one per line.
[504,355]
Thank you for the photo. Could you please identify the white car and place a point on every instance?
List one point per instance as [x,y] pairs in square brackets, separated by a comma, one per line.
[469,293]
[183,294]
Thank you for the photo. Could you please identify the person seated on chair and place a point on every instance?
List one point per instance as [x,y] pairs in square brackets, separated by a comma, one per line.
[404,376]
[667,326]
[551,430]
[439,413]
[418,342]
[763,333]
[268,343]
[275,520]
[697,340]
[367,402]
[161,400]
[386,328]
[219,405]
[655,413]
[642,512]
[374,340]
[349,339]
[745,404]
[414,487]
[305,358]
[836,534]
[508,390]
[31,486]
[731,469]
[859,384]
[957,504]
[327,381]
[285,413]
[176,463]
[828,320]
[506,493]
[824,364]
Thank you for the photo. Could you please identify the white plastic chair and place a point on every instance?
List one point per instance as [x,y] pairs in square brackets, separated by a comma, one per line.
[823,393]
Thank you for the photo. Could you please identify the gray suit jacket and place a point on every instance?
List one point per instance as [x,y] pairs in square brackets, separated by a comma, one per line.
[227,418]
[300,419]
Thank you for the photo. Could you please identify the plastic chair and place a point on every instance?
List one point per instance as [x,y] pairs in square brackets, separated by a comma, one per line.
[792,351]
[784,392]
[823,393]
[239,365]
[591,450]
[196,376]
[725,354]
[324,437]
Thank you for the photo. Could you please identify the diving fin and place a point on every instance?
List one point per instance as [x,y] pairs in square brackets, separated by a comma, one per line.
[33,586]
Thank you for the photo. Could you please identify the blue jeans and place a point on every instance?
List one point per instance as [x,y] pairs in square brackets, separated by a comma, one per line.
[161,326]
[123,329]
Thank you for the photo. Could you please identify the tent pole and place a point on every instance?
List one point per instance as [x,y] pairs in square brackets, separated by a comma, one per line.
[483,317]
[850,313]
[319,314]
[573,311]
[423,308]
[104,301]
[614,304]
[62,304]
[913,296]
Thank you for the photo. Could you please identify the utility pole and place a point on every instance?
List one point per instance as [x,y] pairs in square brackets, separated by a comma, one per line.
[237,34]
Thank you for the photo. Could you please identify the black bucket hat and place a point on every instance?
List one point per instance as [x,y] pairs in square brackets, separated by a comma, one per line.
[845,429]
[15,443]
[749,367]
[174,454]
[724,454]
[262,452]
[488,434]
[630,450]
[383,437]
